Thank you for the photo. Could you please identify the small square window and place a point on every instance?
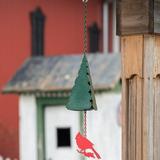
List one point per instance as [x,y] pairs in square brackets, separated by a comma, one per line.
[63,137]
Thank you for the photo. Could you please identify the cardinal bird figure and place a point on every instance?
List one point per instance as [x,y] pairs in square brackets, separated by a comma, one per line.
[84,144]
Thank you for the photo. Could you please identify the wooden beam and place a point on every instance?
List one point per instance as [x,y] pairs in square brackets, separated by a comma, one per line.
[138,16]
[138,26]
[141,97]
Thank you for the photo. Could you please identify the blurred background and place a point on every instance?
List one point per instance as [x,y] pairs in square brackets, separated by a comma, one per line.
[40,46]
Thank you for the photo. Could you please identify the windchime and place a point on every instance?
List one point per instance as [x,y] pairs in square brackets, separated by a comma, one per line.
[82,97]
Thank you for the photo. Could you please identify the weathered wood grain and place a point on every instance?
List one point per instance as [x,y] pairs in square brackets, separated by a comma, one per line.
[139,100]
[148,101]
[132,136]
[140,55]
[141,97]
[132,54]
[157,56]
[157,16]
[138,16]
[156,124]
[124,118]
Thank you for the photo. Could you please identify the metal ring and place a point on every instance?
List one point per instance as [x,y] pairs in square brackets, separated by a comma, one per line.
[85,1]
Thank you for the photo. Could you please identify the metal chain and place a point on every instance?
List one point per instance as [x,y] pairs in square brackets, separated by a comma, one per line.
[85,25]
[85,124]
[85,51]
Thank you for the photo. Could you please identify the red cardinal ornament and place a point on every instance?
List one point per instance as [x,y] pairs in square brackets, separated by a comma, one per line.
[84,144]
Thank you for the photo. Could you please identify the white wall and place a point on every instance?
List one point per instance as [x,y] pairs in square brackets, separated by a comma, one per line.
[103,126]
[27,128]
[60,117]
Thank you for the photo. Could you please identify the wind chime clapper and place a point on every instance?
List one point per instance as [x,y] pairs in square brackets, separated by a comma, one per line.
[82,96]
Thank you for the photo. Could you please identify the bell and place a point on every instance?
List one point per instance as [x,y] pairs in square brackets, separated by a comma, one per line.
[82,96]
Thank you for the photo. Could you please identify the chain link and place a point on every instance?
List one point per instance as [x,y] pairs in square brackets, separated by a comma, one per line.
[85,25]
[85,124]
[85,51]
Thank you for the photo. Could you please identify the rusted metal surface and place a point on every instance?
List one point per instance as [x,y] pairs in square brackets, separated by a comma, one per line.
[58,73]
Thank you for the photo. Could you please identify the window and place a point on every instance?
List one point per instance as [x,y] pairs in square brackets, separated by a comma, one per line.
[94,38]
[37,27]
[63,137]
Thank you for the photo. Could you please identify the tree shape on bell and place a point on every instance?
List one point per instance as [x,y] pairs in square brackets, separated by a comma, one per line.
[82,96]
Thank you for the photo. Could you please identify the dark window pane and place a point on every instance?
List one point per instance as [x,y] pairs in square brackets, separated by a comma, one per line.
[37,27]
[63,137]
[94,38]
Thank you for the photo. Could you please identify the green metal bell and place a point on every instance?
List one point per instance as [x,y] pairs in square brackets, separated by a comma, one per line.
[82,96]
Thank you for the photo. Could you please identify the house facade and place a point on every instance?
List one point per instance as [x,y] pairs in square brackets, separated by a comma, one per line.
[61,28]
[47,128]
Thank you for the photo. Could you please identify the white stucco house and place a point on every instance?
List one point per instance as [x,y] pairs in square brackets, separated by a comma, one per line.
[47,128]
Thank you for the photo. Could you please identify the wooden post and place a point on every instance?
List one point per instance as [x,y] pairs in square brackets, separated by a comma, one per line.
[138,24]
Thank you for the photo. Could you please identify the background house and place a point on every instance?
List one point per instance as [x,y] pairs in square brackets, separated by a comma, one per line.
[47,128]
[60,23]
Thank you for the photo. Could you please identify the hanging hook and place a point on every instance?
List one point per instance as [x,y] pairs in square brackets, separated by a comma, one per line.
[85,1]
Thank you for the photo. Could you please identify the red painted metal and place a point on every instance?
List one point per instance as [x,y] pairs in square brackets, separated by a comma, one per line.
[84,145]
